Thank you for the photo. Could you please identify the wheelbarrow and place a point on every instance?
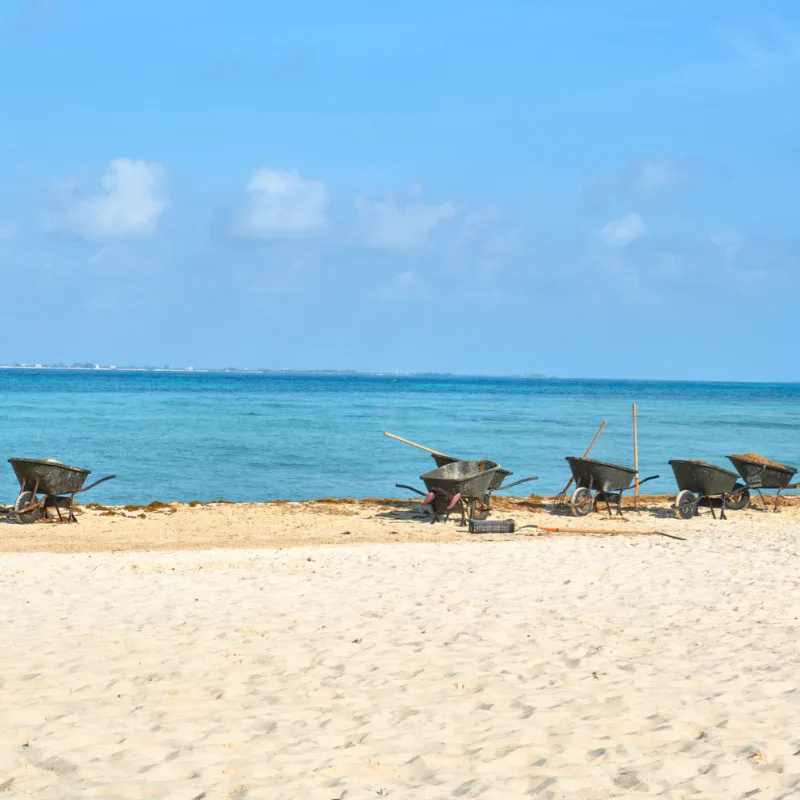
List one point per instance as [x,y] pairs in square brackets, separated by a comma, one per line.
[442,460]
[464,484]
[759,473]
[701,482]
[57,483]
[500,474]
[607,481]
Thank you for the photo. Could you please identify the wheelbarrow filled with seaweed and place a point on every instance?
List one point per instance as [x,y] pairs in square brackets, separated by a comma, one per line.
[466,485]
[701,482]
[760,473]
[599,482]
[46,484]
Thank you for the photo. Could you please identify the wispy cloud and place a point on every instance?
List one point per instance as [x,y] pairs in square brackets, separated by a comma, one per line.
[621,232]
[642,179]
[394,225]
[126,202]
[279,204]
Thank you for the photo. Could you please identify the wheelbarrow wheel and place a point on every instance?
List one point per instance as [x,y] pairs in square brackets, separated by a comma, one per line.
[25,517]
[479,509]
[738,499]
[685,505]
[580,504]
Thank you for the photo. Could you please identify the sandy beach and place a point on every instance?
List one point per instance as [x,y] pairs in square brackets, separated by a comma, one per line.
[349,650]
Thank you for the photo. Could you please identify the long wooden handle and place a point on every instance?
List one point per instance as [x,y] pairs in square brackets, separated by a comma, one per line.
[588,450]
[548,529]
[413,444]
[609,532]
[635,451]
[596,437]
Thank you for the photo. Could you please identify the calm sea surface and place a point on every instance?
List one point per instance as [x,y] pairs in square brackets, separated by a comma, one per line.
[206,436]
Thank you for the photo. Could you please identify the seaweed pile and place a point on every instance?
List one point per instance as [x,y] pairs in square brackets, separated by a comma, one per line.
[757,459]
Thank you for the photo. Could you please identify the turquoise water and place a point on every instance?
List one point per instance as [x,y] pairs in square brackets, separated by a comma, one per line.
[252,437]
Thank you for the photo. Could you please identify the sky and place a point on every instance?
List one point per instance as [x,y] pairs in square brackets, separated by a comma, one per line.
[577,189]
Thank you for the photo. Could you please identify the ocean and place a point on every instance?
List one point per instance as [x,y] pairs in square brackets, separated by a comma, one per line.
[255,437]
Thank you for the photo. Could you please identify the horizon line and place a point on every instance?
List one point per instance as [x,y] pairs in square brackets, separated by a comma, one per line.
[86,367]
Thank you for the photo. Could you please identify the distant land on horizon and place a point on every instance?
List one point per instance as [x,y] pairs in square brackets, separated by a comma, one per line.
[88,367]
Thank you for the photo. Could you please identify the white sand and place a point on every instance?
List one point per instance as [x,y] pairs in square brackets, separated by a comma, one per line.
[552,668]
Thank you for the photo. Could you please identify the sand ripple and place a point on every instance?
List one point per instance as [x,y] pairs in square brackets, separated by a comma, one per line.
[558,669]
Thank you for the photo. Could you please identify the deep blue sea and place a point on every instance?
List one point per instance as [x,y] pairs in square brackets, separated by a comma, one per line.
[205,436]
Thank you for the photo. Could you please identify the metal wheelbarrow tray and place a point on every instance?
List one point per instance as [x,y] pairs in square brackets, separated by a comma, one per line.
[57,483]
[608,481]
[499,476]
[698,481]
[760,474]
[466,484]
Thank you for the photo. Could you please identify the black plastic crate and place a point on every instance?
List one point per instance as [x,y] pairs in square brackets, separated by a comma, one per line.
[491,526]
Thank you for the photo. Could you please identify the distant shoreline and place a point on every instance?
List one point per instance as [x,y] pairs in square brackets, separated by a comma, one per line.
[244,371]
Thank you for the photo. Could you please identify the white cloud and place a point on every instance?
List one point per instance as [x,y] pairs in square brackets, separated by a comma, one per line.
[128,202]
[278,204]
[728,243]
[392,226]
[621,232]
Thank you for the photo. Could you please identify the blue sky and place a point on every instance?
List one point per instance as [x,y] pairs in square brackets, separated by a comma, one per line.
[574,188]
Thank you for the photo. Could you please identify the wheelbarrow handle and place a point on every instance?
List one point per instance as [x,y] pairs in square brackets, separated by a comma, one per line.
[96,483]
[516,483]
[651,478]
[410,488]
